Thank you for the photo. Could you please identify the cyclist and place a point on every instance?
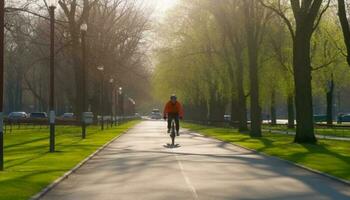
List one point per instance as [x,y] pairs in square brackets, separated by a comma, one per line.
[173,110]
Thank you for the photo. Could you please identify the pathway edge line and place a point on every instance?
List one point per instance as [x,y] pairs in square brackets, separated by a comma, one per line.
[346,182]
[67,174]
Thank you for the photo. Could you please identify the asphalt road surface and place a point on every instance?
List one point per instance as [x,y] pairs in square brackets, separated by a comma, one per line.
[140,166]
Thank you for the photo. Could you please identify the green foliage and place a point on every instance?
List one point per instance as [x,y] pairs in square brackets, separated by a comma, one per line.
[328,58]
[29,167]
[196,61]
[196,58]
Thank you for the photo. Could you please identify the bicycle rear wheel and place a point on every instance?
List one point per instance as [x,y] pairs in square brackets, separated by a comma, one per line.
[173,133]
[173,140]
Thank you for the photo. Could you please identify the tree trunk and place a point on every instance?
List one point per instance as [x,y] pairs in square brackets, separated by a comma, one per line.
[255,110]
[302,81]
[18,95]
[253,31]
[273,108]
[216,109]
[339,102]
[10,98]
[345,26]
[242,107]
[196,112]
[202,112]
[330,102]
[77,71]
[291,116]
[329,108]
[234,109]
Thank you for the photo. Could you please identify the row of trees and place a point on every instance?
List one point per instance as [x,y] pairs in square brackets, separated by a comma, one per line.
[115,39]
[246,55]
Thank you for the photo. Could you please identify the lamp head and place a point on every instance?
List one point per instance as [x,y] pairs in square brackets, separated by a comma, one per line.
[100,68]
[84,27]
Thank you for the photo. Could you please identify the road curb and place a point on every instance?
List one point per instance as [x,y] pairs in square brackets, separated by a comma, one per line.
[67,174]
[346,182]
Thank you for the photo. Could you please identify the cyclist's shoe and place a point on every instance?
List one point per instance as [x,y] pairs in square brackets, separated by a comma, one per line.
[168,130]
[177,133]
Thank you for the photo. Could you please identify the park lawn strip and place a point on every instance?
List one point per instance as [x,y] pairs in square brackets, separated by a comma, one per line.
[336,132]
[328,156]
[29,167]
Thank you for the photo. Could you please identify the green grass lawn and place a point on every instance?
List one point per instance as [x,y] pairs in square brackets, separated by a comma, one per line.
[337,132]
[28,165]
[332,157]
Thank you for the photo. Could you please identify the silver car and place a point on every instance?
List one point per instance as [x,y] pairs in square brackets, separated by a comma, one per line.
[156,114]
[17,115]
[68,116]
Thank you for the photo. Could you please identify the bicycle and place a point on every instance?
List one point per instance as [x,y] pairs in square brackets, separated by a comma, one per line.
[173,132]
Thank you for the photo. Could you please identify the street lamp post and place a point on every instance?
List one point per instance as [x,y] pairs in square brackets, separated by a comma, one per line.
[118,110]
[52,7]
[101,69]
[120,102]
[111,81]
[115,106]
[83,29]
[2,29]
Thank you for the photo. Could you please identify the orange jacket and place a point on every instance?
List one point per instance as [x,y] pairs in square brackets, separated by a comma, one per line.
[171,108]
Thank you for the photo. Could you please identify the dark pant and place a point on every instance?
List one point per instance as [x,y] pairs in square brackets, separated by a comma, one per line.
[176,118]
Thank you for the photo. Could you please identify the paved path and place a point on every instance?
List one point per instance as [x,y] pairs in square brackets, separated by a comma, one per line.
[138,167]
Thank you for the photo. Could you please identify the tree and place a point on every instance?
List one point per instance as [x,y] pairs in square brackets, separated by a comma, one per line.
[217,50]
[230,17]
[281,46]
[115,36]
[193,45]
[256,18]
[307,15]
[326,62]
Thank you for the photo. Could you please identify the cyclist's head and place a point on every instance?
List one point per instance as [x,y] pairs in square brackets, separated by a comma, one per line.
[173,98]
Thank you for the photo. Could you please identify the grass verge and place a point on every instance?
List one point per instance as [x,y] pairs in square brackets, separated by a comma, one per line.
[336,132]
[29,167]
[329,156]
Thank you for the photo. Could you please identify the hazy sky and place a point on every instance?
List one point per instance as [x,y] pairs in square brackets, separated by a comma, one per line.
[162,6]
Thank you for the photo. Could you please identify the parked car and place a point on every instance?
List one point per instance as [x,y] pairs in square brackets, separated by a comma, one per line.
[227,118]
[38,115]
[343,118]
[155,114]
[17,115]
[68,116]
[320,118]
